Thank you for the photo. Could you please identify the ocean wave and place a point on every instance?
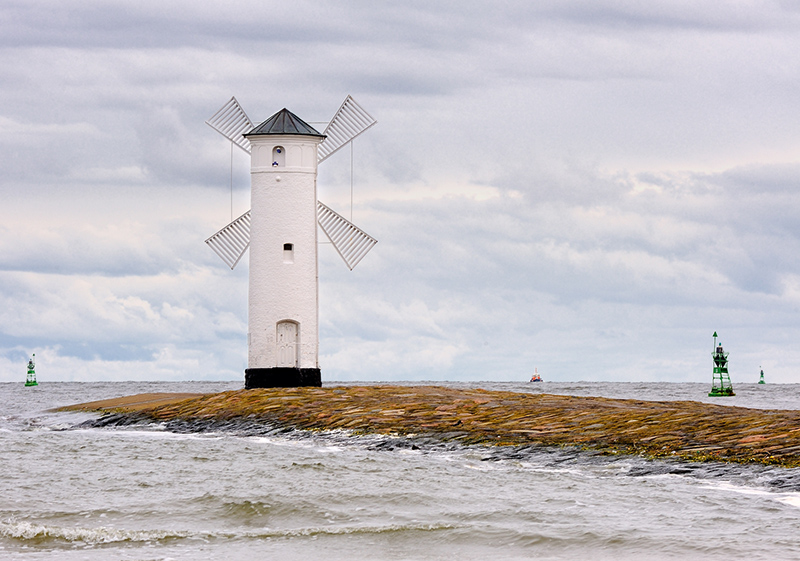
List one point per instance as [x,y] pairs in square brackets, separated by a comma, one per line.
[789,498]
[337,530]
[42,534]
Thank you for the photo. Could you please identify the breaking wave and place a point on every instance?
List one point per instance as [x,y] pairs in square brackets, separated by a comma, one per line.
[40,534]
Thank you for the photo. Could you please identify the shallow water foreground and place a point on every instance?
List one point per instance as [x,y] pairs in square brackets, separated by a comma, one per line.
[144,493]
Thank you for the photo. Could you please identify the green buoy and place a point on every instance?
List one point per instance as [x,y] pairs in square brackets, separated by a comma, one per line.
[721,383]
[31,380]
[761,380]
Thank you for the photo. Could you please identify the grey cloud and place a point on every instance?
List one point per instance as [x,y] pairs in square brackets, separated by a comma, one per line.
[542,176]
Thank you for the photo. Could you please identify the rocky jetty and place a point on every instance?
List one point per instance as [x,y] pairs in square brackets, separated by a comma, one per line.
[685,430]
[131,402]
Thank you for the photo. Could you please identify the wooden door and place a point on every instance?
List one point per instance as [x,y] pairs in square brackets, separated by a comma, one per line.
[287,344]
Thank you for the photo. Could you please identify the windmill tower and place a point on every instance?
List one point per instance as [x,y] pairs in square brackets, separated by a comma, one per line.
[281,231]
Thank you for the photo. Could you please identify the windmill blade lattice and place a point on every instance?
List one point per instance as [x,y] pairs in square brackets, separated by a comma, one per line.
[351,242]
[349,121]
[232,122]
[232,241]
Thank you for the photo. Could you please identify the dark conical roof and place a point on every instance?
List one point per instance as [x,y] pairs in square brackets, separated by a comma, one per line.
[284,122]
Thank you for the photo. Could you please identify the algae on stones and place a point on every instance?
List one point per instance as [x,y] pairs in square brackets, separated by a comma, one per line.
[680,429]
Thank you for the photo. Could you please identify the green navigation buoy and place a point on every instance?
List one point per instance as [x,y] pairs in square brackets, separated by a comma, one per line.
[721,383]
[761,380]
[31,380]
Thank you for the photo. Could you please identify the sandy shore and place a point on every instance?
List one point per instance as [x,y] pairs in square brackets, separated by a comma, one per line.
[687,430]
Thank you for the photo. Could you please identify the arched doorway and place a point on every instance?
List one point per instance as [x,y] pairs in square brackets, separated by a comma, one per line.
[287,343]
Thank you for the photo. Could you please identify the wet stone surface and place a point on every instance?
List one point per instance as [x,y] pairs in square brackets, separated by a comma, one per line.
[510,424]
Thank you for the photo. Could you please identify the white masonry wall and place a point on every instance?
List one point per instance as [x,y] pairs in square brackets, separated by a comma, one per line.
[284,210]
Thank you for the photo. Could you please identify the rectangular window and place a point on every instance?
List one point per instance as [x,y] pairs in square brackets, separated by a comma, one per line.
[288,253]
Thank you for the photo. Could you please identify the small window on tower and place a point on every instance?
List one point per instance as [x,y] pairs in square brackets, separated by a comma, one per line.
[288,253]
[278,156]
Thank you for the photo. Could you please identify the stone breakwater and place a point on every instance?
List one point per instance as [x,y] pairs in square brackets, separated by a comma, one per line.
[685,430]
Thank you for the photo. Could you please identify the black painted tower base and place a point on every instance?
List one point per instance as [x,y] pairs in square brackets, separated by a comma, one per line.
[281,377]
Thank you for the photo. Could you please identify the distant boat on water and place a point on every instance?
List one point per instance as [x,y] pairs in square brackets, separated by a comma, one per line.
[536,377]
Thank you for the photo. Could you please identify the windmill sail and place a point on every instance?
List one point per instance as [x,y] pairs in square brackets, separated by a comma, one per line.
[232,122]
[351,242]
[349,121]
[232,241]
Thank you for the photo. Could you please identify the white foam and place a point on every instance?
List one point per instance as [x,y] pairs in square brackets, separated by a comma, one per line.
[482,467]
[791,499]
[726,486]
[30,531]
[105,535]
[304,444]
[345,530]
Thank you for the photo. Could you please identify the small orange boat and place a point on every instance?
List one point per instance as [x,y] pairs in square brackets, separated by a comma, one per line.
[536,377]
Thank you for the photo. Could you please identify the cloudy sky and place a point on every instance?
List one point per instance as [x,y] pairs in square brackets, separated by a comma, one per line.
[588,187]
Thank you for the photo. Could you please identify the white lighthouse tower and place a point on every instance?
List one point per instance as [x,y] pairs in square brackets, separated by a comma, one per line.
[283,305]
[281,230]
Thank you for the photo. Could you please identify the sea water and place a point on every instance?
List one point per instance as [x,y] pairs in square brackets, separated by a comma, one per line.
[142,493]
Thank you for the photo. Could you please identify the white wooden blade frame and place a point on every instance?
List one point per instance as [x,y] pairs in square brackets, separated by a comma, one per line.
[232,241]
[232,122]
[350,242]
[348,122]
